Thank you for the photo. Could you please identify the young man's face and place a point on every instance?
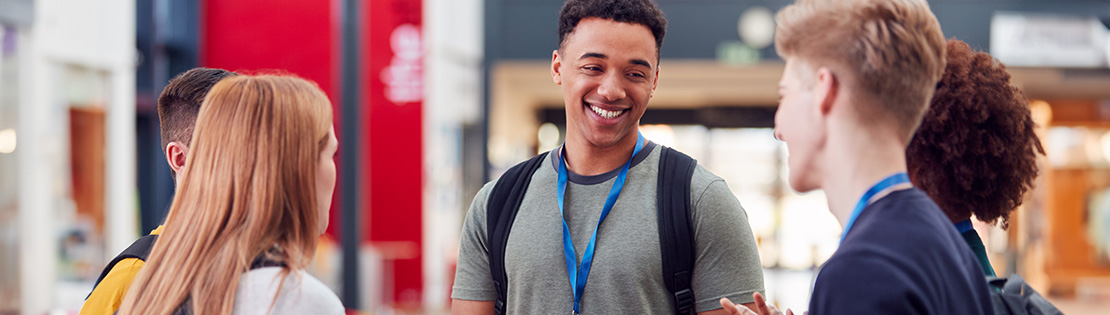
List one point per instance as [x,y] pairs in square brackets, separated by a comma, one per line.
[799,123]
[608,71]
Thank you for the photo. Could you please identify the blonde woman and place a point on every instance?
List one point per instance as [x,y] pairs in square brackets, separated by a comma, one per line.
[252,201]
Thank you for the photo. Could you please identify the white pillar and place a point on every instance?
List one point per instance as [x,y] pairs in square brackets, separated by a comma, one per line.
[38,252]
[453,59]
[121,201]
[121,211]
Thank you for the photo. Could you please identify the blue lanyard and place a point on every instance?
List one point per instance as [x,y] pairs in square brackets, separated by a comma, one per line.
[889,181]
[964,226]
[578,284]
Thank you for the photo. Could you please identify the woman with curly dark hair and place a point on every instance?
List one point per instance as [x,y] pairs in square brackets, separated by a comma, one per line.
[975,151]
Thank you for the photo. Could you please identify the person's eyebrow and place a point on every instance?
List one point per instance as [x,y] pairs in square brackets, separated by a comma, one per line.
[635,61]
[593,55]
[641,62]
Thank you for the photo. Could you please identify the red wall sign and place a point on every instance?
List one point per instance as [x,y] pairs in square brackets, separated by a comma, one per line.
[287,35]
[394,87]
[302,37]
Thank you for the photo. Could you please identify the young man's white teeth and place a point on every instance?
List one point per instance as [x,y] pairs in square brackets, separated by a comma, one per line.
[604,113]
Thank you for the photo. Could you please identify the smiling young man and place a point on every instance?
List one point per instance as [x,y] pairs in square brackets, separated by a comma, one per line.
[859,75]
[589,210]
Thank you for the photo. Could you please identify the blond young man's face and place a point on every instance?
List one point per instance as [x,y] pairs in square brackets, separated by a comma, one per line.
[799,123]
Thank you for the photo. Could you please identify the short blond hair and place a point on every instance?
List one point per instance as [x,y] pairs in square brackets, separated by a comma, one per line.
[892,50]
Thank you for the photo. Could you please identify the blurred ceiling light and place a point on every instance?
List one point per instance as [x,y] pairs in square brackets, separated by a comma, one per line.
[757,27]
[7,141]
[548,137]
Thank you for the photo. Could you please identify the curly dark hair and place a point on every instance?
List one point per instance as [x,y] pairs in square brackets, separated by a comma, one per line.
[975,151]
[643,12]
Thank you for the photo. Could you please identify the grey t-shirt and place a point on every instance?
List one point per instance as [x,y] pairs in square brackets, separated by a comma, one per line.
[301,293]
[626,275]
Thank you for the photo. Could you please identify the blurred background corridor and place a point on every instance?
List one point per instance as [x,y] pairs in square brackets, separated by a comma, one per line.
[434,98]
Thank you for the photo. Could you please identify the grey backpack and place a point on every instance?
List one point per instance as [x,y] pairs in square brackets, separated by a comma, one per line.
[1012,295]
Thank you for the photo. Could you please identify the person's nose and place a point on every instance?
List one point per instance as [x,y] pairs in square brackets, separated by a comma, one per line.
[611,87]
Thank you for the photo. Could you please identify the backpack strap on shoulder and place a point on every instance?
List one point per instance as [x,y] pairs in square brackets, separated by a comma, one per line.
[676,233]
[140,249]
[501,209]
[264,260]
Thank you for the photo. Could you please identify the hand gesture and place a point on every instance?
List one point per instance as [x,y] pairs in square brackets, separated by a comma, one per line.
[761,307]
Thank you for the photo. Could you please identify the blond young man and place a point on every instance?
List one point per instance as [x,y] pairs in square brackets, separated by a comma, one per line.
[859,75]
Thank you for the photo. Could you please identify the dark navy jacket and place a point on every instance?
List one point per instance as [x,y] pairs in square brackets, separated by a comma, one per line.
[902,256]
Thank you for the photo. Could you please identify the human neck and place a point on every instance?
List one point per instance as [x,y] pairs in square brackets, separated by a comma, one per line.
[858,158]
[584,158]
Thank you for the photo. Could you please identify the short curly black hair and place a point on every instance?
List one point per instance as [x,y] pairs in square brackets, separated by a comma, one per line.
[643,12]
[975,151]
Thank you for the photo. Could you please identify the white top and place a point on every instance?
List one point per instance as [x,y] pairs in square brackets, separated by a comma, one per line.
[301,293]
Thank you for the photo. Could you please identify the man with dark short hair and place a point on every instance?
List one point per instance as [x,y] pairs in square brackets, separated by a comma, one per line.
[607,65]
[178,106]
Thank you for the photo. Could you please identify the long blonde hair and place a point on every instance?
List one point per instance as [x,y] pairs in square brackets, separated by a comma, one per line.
[248,190]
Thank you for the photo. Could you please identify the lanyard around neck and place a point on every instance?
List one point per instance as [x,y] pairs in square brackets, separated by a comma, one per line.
[886,183]
[578,276]
[964,226]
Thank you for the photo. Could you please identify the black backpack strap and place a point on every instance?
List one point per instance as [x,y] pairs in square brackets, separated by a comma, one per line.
[263,261]
[676,233]
[140,249]
[504,201]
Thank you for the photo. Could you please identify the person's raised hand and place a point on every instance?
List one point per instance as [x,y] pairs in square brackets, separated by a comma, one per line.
[736,309]
[761,307]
